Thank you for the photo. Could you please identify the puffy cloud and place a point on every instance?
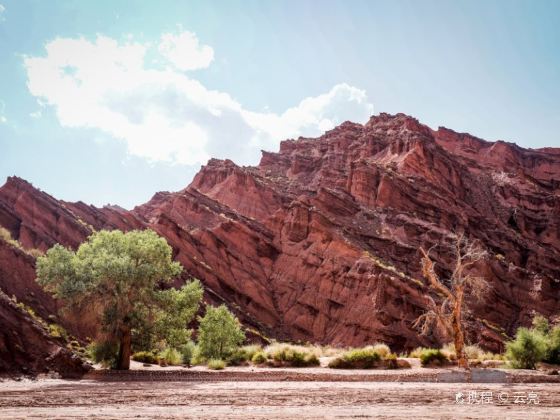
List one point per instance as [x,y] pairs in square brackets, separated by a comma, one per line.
[165,115]
[185,52]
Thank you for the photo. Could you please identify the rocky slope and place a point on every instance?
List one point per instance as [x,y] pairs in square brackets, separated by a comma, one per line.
[320,241]
[27,348]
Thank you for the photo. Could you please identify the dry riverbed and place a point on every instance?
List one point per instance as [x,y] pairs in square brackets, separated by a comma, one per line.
[50,398]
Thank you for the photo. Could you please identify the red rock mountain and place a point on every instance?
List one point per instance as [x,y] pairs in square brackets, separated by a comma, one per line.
[319,242]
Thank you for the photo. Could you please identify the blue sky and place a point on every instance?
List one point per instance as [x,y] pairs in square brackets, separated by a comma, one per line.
[111,101]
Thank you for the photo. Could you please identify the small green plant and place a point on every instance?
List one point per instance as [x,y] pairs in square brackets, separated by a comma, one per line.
[259,358]
[170,357]
[216,364]
[433,357]
[145,357]
[56,331]
[528,348]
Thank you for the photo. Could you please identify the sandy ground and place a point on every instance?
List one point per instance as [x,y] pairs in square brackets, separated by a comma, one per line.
[269,400]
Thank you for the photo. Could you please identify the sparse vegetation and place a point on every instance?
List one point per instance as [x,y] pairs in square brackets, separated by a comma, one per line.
[56,331]
[433,357]
[216,364]
[259,358]
[363,358]
[243,355]
[170,357]
[289,355]
[187,352]
[145,357]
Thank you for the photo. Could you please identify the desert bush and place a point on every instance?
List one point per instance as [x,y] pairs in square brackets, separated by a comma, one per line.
[382,349]
[145,357]
[433,357]
[553,346]
[187,352]
[528,348]
[104,352]
[290,355]
[417,352]
[243,355]
[364,358]
[391,361]
[216,364]
[259,358]
[170,357]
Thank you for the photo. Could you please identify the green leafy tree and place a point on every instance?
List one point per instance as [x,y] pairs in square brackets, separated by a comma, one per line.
[219,333]
[118,277]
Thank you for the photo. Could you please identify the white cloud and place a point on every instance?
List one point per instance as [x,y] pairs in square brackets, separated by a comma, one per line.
[164,115]
[3,118]
[185,52]
[2,10]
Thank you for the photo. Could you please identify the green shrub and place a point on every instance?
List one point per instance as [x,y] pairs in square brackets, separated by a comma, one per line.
[364,358]
[528,348]
[145,357]
[170,357]
[259,358]
[216,364]
[433,356]
[187,352]
[553,346]
[104,352]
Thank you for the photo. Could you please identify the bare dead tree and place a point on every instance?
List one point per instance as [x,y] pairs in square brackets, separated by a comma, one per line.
[447,315]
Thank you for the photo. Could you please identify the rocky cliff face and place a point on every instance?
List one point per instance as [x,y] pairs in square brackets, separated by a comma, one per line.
[320,241]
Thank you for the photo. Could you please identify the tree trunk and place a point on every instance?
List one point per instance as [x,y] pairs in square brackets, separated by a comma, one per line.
[458,337]
[125,351]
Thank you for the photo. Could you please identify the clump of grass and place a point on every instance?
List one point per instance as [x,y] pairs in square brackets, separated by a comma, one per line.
[243,355]
[170,357]
[429,357]
[292,355]
[56,331]
[145,357]
[363,358]
[417,352]
[216,364]
[259,358]
[382,349]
